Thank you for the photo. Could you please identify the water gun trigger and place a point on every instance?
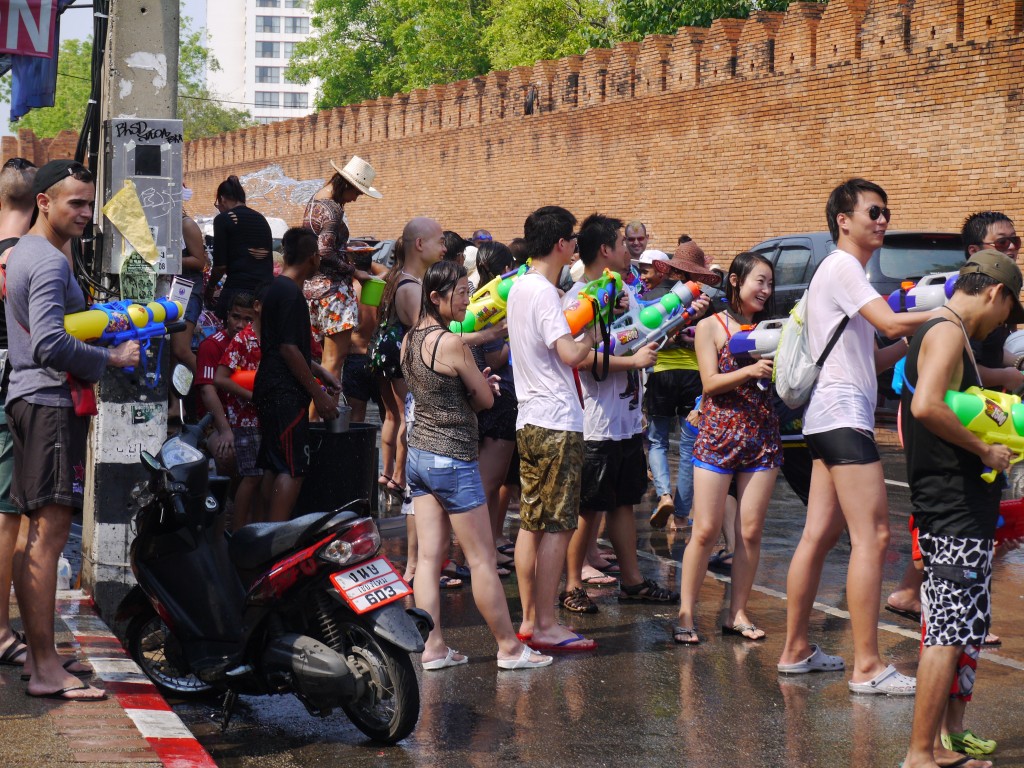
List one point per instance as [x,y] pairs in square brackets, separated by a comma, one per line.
[990,475]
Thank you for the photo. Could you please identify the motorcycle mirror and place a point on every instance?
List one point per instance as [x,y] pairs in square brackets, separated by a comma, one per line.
[151,462]
[181,379]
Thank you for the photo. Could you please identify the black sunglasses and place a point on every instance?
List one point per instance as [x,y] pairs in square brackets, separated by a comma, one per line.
[875,211]
[1002,243]
[19,164]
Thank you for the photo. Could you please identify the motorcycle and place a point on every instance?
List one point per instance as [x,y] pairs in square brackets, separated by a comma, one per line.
[306,607]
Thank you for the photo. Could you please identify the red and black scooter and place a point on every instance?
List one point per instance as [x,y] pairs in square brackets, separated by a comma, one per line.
[307,607]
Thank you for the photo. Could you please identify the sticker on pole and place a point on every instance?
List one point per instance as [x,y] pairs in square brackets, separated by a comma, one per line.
[371,585]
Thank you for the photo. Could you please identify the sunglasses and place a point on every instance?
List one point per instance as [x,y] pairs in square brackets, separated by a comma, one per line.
[19,164]
[875,211]
[1003,243]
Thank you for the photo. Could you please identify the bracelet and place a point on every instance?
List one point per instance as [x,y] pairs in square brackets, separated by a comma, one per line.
[1018,362]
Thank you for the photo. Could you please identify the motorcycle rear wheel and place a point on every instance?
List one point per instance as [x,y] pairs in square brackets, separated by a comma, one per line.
[147,638]
[389,709]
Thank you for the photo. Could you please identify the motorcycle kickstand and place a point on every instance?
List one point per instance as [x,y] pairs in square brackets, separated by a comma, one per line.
[227,709]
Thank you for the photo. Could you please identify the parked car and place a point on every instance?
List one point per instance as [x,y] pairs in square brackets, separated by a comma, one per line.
[903,256]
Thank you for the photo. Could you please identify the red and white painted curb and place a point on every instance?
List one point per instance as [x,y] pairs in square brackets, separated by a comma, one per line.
[124,681]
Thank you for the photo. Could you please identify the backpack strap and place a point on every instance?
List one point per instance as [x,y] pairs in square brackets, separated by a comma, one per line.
[833,340]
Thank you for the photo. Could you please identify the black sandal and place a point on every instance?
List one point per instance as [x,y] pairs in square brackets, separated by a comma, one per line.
[647,591]
[578,601]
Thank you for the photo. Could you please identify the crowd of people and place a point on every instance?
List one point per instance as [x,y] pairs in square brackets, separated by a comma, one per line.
[529,407]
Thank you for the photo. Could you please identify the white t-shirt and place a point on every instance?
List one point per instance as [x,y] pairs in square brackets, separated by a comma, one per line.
[545,386]
[611,407]
[846,392]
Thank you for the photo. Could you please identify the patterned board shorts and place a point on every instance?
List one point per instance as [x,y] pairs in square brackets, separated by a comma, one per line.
[550,467]
[247,448]
[334,312]
[956,595]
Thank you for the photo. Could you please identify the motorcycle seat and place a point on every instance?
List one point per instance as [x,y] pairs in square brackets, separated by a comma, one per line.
[257,544]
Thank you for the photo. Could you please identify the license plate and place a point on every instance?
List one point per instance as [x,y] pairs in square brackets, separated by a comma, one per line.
[371,585]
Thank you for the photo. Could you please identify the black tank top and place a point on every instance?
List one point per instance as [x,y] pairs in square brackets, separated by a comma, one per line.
[946,490]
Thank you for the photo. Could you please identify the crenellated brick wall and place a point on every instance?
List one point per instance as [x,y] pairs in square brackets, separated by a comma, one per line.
[732,133]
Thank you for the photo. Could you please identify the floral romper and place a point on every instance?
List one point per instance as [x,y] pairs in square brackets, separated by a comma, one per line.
[739,431]
[333,307]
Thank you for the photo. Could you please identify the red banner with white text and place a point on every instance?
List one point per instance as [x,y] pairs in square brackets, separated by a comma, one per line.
[27,27]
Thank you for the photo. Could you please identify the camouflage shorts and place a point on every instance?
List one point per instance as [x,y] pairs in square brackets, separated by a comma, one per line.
[550,463]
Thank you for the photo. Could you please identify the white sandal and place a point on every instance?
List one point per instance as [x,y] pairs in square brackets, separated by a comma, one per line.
[523,662]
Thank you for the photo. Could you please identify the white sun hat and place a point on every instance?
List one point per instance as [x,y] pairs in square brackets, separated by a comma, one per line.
[359,174]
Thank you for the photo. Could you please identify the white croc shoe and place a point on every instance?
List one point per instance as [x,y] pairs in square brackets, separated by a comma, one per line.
[818,661]
[888,682]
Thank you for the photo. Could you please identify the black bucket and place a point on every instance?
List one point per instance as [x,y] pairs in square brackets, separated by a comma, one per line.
[342,467]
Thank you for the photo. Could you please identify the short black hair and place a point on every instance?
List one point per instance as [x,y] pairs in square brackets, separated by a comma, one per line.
[454,245]
[844,198]
[243,300]
[595,231]
[545,227]
[975,228]
[298,245]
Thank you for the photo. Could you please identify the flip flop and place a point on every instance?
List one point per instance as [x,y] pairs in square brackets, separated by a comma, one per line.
[995,642]
[13,651]
[600,580]
[67,668]
[914,616]
[449,660]
[455,570]
[740,630]
[523,662]
[61,694]
[508,550]
[720,561]
[612,569]
[566,646]
[447,582]
[688,632]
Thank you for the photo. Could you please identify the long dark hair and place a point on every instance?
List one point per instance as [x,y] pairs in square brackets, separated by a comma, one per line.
[393,278]
[742,266]
[492,259]
[338,186]
[441,276]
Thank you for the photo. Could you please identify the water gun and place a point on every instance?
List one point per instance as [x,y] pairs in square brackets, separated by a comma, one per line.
[995,417]
[1011,520]
[760,341]
[596,297]
[930,292]
[244,379]
[652,321]
[489,304]
[116,322]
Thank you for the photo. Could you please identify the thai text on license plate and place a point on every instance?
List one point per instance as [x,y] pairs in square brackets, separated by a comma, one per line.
[371,585]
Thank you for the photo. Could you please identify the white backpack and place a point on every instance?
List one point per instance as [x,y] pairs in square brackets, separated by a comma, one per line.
[795,371]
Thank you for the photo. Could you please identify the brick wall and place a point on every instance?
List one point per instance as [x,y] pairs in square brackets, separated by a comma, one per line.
[732,134]
[40,151]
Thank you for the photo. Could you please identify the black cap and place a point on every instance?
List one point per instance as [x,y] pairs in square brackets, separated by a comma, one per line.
[58,170]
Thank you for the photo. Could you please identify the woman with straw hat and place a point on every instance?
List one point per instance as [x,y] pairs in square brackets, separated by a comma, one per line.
[333,305]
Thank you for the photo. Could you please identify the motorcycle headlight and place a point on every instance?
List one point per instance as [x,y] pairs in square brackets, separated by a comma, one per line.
[176,452]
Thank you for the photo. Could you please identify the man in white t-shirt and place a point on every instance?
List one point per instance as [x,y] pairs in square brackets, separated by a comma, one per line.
[614,467]
[549,428]
[847,484]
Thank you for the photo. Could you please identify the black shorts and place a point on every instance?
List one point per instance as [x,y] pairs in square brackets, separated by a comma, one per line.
[672,393]
[284,436]
[614,474]
[358,381]
[499,421]
[843,446]
[49,449]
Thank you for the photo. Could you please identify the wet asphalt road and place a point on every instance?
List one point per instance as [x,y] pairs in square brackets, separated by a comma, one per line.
[639,699]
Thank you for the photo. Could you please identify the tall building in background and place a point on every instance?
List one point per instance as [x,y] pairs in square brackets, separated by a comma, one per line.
[253,41]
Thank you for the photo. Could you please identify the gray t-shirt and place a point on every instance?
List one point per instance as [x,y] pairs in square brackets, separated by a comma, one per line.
[41,289]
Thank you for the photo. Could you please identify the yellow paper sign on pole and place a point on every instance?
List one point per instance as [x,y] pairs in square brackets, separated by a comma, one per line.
[125,212]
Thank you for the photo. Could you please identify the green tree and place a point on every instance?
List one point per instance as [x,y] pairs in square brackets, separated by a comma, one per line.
[638,18]
[515,37]
[202,114]
[364,49]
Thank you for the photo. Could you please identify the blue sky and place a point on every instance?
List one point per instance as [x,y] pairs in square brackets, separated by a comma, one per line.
[77,23]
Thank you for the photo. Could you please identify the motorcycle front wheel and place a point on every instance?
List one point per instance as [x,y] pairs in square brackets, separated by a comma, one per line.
[390,706]
[153,647]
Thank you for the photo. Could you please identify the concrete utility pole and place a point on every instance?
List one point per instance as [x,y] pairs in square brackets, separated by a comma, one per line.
[140,80]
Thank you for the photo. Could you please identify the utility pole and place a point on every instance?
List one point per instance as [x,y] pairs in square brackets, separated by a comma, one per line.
[140,81]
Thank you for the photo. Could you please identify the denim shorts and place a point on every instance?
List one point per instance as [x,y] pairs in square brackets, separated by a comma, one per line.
[194,308]
[454,483]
